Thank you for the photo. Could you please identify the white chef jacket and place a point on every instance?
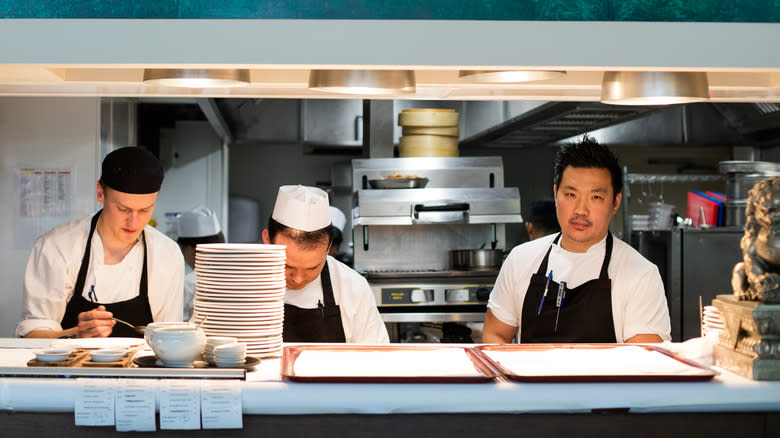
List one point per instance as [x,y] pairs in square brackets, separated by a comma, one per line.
[54,264]
[359,314]
[638,300]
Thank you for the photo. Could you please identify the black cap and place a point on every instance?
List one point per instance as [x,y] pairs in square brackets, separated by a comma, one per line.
[132,170]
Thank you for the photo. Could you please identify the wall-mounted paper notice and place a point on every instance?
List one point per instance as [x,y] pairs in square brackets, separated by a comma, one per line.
[180,404]
[94,404]
[135,409]
[44,200]
[220,404]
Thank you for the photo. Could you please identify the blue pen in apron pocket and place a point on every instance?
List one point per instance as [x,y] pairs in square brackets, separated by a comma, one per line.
[92,295]
[546,287]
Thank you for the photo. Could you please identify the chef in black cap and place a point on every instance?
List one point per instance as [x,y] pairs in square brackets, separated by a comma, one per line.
[113,263]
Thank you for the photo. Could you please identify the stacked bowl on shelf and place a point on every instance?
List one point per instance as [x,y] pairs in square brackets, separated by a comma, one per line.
[428,133]
[239,292]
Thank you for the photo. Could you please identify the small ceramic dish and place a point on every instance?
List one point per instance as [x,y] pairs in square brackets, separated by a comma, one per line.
[53,354]
[107,355]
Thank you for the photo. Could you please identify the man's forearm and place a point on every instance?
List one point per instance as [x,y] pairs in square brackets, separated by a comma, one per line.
[52,334]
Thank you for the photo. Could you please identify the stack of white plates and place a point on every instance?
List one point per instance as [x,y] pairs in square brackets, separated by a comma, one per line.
[240,293]
[711,321]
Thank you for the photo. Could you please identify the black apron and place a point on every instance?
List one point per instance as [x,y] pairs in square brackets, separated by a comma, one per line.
[322,324]
[136,310]
[586,313]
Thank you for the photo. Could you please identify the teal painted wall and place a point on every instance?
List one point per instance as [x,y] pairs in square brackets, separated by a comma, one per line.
[755,11]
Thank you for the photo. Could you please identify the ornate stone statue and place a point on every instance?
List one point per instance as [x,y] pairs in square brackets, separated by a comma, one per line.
[757,277]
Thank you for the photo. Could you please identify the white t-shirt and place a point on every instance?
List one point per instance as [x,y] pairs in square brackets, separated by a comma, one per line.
[54,264]
[359,314]
[638,300]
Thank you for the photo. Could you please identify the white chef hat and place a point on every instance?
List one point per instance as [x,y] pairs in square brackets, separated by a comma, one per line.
[337,218]
[198,222]
[302,208]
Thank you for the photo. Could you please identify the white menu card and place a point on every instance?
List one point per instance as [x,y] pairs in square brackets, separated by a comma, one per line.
[135,410]
[94,403]
[220,404]
[180,404]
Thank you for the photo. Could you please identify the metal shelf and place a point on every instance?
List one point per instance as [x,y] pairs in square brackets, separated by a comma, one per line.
[631,178]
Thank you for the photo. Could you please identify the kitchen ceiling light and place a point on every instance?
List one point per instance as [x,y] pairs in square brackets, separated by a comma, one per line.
[653,88]
[508,76]
[363,81]
[197,78]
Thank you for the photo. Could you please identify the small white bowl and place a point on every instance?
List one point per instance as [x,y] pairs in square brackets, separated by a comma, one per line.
[229,355]
[107,355]
[53,354]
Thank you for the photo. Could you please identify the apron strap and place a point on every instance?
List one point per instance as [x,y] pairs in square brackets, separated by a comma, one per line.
[543,266]
[330,308]
[81,279]
[607,257]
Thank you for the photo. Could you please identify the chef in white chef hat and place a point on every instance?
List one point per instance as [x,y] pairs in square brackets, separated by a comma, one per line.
[325,301]
[199,225]
[338,219]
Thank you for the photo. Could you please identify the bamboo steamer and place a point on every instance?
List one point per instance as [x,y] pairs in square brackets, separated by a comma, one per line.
[451,131]
[427,146]
[428,117]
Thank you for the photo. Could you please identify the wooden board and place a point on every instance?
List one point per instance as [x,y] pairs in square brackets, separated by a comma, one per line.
[126,362]
[80,359]
[74,360]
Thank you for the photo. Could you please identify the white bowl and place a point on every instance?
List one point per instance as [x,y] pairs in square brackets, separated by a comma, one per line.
[178,346]
[153,326]
[229,355]
[227,351]
[53,354]
[107,355]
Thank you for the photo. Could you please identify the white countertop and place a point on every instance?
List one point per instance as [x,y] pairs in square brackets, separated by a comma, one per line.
[264,392]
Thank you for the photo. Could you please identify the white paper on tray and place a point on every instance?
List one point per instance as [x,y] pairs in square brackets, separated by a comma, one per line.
[420,363]
[621,361]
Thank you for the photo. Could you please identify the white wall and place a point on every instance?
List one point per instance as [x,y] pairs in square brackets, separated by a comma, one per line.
[192,159]
[46,132]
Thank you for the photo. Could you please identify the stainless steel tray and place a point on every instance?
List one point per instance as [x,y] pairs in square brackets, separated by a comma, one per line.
[398,183]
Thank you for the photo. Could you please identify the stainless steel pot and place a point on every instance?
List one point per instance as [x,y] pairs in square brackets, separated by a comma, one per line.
[476,259]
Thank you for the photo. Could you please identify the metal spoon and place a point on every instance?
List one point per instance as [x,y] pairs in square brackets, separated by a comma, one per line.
[138,329]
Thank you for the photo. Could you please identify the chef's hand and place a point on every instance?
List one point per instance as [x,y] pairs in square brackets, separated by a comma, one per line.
[96,323]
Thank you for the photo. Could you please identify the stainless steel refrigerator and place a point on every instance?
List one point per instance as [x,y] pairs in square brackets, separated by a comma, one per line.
[693,263]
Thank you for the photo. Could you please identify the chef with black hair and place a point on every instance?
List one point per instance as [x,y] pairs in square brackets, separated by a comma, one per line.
[325,301]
